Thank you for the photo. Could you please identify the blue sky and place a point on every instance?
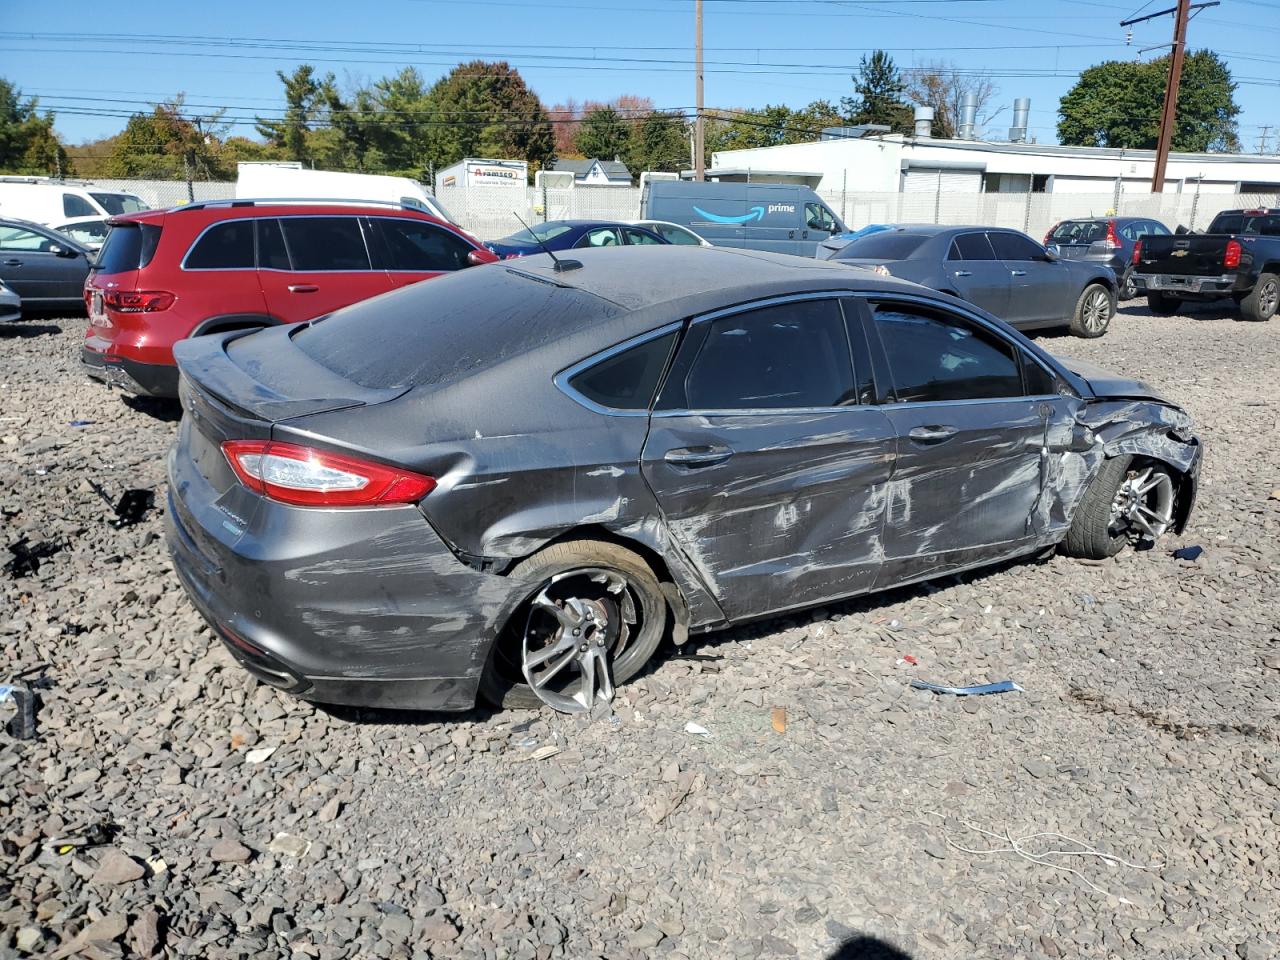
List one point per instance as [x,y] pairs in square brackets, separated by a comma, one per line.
[758,51]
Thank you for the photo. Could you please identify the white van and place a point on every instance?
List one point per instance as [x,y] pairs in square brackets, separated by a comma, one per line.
[42,200]
[289,181]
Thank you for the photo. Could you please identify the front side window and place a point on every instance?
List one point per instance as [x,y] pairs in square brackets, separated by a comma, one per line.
[1014,246]
[972,246]
[224,246]
[793,355]
[1155,228]
[118,203]
[817,217]
[325,243]
[640,237]
[674,234]
[421,247]
[600,237]
[77,206]
[626,380]
[935,356]
[90,232]
[272,254]
[24,241]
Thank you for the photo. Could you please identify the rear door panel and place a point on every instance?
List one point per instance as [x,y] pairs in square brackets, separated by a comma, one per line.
[330,269]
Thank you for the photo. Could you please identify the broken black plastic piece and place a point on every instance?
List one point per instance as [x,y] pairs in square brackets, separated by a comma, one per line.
[1188,553]
[27,556]
[131,508]
[22,726]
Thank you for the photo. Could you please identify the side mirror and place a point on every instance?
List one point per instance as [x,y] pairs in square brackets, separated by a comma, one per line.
[1052,252]
[60,251]
[475,258]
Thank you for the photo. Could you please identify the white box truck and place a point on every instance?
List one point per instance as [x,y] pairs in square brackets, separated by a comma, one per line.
[291,181]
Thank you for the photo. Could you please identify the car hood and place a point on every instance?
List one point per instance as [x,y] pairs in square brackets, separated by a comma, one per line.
[1109,385]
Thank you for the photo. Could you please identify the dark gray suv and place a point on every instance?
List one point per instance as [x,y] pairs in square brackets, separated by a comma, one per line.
[1108,240]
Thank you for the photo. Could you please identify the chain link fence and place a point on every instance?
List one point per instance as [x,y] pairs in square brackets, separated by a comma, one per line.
[496,210]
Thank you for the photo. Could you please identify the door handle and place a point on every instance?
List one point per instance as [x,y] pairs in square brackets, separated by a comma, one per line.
[13,263]
[303,288]
[963,273]
[702,456]
[1018,273]
[791,234]
[932,434]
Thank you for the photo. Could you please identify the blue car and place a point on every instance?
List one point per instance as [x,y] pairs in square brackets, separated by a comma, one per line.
[572,235]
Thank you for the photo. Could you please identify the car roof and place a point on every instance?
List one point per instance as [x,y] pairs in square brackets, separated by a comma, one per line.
[234,209]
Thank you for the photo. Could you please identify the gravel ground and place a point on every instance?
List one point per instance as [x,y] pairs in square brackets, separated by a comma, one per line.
[169,806]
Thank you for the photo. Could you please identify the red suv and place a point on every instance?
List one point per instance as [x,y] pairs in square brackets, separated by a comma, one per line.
[168,274]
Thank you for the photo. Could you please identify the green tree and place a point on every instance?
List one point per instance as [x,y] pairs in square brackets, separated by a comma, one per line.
[28,143]
[304,97]
[1118,104]
[880,94]
[660,141]
[165,145]
[772,125]
[482,109]
[603,135]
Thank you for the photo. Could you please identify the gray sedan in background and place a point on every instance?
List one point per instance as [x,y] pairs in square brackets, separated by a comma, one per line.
[1004,272]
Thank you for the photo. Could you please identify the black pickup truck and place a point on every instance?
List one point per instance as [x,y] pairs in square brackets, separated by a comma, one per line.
[1238,257]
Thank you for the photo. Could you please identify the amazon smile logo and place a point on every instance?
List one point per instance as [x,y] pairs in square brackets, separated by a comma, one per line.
[757,213]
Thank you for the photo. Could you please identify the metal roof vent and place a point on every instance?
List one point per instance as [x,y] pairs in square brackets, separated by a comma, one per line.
[1021,111]
[924,122]
[968,129]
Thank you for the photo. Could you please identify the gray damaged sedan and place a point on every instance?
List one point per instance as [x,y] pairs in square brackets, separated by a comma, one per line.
[1004,272]
[517,480]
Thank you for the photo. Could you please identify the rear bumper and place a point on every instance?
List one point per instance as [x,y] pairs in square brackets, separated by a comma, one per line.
[143,379]
[1187,285]
[362,607]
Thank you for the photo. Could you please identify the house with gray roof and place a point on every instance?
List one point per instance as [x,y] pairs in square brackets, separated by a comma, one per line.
[593,172]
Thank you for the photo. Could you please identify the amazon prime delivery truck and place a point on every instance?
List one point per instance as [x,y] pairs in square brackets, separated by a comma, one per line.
[781,217]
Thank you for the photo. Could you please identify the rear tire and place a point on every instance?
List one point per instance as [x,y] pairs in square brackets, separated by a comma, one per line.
[1260,303]
[1093,313]
[503,683]
[1163,305]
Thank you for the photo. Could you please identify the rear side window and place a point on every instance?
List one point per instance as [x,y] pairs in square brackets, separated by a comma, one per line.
[626,380]
[935,356]
[325,243]
[971,246]
[77,206]
[674,235]
[118,203]
[886,245]
[224,246]
[640,237]
[419,246]
[793,355]
[272,254]
[129,246]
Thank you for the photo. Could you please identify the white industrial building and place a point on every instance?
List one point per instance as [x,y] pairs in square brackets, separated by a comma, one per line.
[895,163]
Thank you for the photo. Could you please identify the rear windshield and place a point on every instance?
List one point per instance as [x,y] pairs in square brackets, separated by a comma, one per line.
[118,203]
[883,246]
[1267,225]
[129,246]
[1079,231]
[440,330]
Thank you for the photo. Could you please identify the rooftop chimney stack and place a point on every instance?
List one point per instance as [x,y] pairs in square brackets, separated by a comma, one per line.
[1021,111]
[968,129]
[924,122]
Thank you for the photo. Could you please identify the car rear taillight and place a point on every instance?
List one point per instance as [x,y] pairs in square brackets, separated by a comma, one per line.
[307,477]
[1048,237]
[1231,256]
[1137,252]
[138,301]
[1112,241]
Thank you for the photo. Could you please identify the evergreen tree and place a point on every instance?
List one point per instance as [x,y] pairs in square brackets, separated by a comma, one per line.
[880,95]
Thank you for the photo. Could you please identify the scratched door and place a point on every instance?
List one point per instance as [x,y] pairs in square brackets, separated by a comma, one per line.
[769,461]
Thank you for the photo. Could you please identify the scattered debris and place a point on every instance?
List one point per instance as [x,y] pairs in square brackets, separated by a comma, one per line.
[289,845]
[131,508]
[778,717]
[1019,845]
[908,658]
[1188,553]
[97,834]
[697,730]
[27,556]
[544,752]
[1004,686]
[702,657]
[1275,494]
[82,423]
[22,725]
[259,755]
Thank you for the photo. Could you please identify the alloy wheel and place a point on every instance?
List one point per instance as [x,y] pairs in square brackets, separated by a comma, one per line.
[1268,297]
[1143,506]
[578,622]
[1097,310]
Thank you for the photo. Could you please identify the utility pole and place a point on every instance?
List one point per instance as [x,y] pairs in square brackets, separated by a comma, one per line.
[1168,115]
[699,157]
